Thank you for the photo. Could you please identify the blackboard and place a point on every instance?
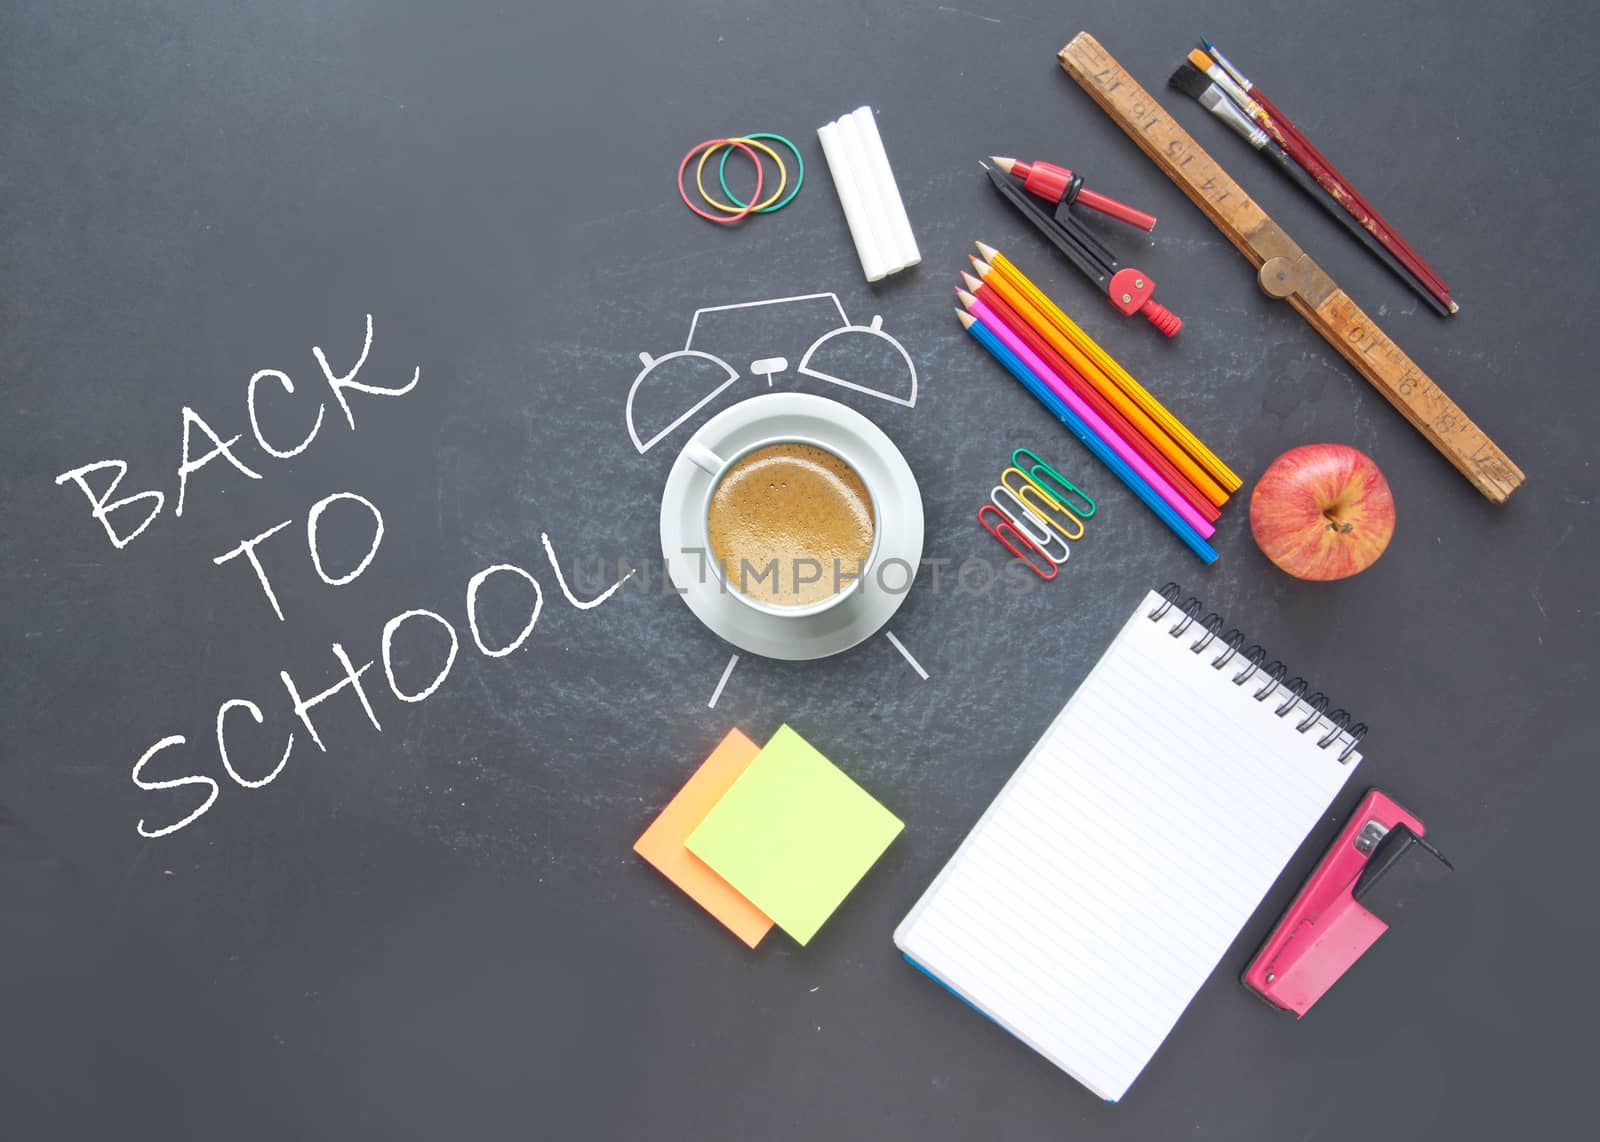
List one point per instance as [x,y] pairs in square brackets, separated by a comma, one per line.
[438,928]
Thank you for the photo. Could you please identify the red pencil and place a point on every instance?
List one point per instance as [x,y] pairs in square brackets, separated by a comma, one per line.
[1091,396]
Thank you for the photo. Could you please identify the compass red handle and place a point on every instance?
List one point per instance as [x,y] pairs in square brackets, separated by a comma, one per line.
[1121,211]
[1161,317]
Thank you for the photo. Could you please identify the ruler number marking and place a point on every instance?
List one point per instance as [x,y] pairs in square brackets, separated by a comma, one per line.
[1143,115]
[1363,340]
[1487,457]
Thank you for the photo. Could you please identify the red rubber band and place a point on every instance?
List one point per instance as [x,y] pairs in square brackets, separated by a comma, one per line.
[720,219]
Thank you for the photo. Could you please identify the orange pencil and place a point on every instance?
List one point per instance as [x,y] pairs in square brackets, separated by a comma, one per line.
[1141,421]
[1024,329]
[1108,368]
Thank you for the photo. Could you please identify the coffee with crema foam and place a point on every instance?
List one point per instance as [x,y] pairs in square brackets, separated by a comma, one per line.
[791,524]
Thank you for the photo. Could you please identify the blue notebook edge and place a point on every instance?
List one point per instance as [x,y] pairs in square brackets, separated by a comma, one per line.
[921,968]
[965,1002]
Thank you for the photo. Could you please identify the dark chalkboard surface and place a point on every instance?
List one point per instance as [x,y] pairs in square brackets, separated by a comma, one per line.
[437,929]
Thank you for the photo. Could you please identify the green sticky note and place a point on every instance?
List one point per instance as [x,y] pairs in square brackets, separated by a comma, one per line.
[794,835]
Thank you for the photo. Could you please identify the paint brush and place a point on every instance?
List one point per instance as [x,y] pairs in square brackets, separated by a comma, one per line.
[1288,127]
[1297,148]
[1233,73]
[1200,87]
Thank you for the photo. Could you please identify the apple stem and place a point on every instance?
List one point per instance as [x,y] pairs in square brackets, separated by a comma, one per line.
[1334,524]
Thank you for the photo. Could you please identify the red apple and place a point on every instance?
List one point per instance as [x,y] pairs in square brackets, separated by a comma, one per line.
[1322,511]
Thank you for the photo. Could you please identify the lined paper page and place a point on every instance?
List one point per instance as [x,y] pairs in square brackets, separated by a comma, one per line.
[1109,877]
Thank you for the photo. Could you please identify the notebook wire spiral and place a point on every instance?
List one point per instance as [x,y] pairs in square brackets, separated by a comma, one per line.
[1275,672]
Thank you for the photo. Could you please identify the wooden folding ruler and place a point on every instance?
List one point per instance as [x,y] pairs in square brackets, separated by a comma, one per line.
[1288,272]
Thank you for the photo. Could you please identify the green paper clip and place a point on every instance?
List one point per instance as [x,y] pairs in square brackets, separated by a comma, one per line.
[1040,472]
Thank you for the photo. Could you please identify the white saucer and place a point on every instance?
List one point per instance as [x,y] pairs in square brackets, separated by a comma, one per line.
[859,441]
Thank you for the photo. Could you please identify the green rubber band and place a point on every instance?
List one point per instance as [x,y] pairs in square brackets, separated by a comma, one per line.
[800,173]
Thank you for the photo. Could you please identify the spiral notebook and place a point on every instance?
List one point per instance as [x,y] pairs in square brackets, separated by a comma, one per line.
[1117,865]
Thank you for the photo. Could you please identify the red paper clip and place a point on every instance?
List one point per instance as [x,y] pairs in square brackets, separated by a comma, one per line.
[1004,526]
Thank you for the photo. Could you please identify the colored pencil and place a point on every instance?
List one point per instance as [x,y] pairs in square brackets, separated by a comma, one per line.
[1145,427]
[1092,420]
[1091,395]
[1060,410]
[1095,423]
[1123,380]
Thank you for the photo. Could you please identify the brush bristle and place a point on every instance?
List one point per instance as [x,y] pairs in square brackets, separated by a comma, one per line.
[1201,60]
[1189,80]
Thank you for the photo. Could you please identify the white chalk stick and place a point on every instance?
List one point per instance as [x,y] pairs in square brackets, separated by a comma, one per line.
[877,213]
[899,237]
[852,198]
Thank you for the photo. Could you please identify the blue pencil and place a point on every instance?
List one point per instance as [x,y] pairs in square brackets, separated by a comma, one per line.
[1058,409]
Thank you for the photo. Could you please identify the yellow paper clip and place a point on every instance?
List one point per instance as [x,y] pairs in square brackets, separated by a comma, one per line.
[1041,503]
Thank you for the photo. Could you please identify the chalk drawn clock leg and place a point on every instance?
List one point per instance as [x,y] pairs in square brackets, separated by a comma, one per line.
[721,682]
[906,654]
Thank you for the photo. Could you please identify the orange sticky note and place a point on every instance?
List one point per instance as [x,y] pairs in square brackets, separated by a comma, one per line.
[662,843]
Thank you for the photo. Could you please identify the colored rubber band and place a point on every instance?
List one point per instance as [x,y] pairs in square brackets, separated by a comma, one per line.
[700,173]
[684,166]
[799,178]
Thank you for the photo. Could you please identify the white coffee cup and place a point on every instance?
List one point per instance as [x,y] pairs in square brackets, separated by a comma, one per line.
[717,467]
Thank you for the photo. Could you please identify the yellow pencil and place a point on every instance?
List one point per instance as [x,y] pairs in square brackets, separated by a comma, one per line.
[1134,390]
[1009,293]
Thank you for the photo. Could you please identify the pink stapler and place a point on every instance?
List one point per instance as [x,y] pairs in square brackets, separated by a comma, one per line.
[1377,870]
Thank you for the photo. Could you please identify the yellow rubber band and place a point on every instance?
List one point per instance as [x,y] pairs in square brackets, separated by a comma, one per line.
[700,170]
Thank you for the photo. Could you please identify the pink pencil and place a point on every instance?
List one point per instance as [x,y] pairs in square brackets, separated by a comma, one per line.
[1089,417]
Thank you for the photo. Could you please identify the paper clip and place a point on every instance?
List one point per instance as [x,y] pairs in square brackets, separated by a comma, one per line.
[1041,472]
[1042,504]
[1003,526]
[1030,525]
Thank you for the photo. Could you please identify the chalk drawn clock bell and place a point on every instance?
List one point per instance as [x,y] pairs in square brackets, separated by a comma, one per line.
[671,389]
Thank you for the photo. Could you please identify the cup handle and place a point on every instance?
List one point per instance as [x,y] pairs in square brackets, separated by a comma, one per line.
[703,458]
